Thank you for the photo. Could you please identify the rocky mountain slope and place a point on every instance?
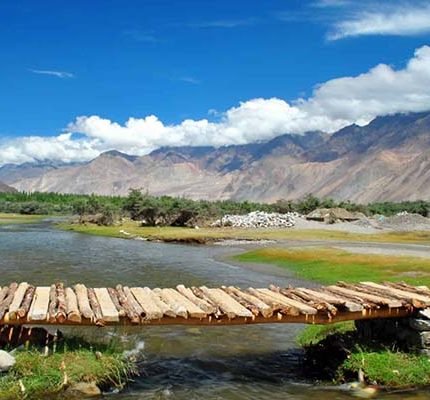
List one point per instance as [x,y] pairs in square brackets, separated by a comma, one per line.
[389,159]
[6,189]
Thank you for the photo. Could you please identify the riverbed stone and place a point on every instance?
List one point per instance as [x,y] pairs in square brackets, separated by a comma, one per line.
[83,389]
[419,324]
[7,361]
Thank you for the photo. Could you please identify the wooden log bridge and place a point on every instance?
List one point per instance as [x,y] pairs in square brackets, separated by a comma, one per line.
[25,304]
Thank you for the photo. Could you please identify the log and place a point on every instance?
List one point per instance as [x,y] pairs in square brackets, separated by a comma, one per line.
[250,306]
[83,302]
[424,290]
[52,309]
[72,309]
[199,294]
[3,293]
[332,299]
[202,304]
[131,313]
[109,311]
[303,308]
[61,315]
[416,299]
[179,309]
[146,301]
[229,306]
[39,308]
[4,305]
[133,302]
[276,305]
[192,309]
[165,308]
[311,300]
[17,300]
[266,310]
[95,307]
[114,297]
[26,303]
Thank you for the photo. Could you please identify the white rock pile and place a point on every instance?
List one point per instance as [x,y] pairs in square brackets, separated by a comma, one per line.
[258,219]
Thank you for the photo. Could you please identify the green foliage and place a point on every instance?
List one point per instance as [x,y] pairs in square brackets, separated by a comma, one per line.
[314,334]
[178,211]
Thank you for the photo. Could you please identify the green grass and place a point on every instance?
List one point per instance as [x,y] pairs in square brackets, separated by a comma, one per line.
[389,368]
[9,219]
[207,234]
[327,265]
[44,375]
[314,334]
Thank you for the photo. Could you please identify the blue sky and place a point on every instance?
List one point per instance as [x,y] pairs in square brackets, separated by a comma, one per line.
[162,62]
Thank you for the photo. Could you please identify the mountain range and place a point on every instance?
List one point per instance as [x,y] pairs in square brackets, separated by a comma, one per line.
[388,159]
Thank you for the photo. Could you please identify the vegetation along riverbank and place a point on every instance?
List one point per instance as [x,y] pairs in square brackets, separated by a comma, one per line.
[337,352]
[10,219]
[71,367]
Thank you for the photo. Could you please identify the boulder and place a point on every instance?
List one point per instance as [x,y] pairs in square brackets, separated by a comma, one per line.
[7,361]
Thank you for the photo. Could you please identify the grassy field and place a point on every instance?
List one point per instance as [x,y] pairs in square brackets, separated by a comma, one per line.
[327,265]
[204,235]
[7,219]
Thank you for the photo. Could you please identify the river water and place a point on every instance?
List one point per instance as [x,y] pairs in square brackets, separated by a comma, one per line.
[234,363]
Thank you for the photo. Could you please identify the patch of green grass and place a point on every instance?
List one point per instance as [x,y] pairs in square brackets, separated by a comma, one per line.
[314,334]
[327,265]
[389,368]
[41,375]
[9,219]
[208,234]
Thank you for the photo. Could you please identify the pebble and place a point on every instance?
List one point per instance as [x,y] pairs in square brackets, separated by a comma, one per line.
[7,361]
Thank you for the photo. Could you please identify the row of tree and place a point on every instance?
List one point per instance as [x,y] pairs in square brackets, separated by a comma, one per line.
[178,211]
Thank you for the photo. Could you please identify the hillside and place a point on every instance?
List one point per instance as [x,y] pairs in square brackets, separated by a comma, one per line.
[389,159]
[6,189]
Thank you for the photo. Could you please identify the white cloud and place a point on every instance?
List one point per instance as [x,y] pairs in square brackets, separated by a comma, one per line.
[334,104]
[58,74]
[399,20]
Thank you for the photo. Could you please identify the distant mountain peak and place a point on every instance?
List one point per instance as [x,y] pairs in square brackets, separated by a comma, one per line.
[116,153]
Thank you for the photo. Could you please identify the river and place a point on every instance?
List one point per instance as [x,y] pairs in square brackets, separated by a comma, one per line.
[234,363]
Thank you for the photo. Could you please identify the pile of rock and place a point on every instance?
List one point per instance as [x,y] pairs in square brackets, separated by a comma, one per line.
[258,219]
[410,334]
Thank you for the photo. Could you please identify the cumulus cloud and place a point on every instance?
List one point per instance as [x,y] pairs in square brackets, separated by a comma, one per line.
[400,20]
[334,104]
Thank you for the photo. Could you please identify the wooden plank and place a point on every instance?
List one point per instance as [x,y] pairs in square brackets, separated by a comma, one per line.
[264,309]
[109,311]
[303,308]
[17,300]
[4,305]
[83,301]
[193,310]
[39,308]
[403,293]
[26,303]
[334,300]
[148,305]
[164,307]
[95,307]
[72,309]
[178,308]
[366,296]
[229,306]
[202,304]
[284,308]
[3,293]
[114,296]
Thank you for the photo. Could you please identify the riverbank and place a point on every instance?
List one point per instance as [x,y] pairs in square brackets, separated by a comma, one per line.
[207,235]
[11,219]
[336,352]
[73,369]
[329,265]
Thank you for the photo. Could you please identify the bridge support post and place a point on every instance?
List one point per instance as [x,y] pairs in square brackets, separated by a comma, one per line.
[409,333]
